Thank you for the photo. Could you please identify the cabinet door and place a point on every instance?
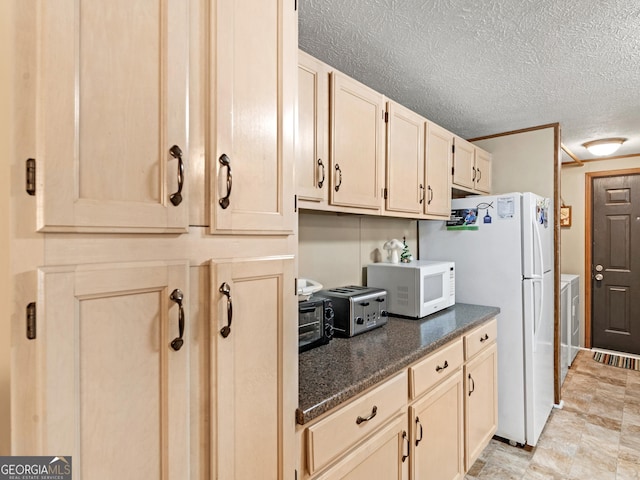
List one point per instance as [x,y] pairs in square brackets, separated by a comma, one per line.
[114,393]
[254,58]
[256,383]
[483,171]
[405,161]
[112,101]
[464,172]
[438,170]
[481,402]
[437,429]
[384,455]
[356,144]
[312,141]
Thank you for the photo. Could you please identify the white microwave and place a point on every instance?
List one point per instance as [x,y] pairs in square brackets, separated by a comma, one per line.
[415,289]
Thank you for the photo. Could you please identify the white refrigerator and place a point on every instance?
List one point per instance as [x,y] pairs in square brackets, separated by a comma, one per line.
[502,246]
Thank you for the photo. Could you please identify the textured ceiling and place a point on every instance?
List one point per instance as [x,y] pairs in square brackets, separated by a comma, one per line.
[479,67]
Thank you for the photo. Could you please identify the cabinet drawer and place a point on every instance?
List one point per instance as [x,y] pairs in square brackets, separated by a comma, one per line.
[480,338]
[335,434]
[434,368]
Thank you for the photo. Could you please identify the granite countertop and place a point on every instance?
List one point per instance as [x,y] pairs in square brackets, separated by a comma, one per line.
[332,374]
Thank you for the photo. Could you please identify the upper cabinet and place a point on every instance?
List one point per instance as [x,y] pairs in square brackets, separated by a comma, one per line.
[401,171]
[356,147]
[252,120]
[471,167]
[110,128]
[439,144]
[312,142]
[483,170]
[405,187]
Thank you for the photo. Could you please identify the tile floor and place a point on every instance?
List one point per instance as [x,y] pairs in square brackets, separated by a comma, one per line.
[596,436]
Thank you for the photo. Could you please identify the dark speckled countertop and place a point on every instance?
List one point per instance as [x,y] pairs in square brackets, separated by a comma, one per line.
[332,374]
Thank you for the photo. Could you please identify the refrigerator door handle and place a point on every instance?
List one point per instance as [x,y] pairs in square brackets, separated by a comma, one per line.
[538,318]
[540,252]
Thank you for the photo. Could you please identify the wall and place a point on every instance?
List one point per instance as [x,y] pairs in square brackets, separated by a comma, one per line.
[334,248]
[6,135]
[573,237]
[522,162]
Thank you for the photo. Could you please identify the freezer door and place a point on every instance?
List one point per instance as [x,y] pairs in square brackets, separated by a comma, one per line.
[538,352]
[537,235]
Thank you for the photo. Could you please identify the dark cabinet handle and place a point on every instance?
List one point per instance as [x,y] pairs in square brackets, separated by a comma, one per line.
[473,385]
[440,368]
[225,161]
[405,439]
[474,174]
[421,194]
[226,291]
[485,338]
[321,165]
[418,425]
[177,296]
[430,195]
[479,174]
[337,187]
[373,413]
[176,198]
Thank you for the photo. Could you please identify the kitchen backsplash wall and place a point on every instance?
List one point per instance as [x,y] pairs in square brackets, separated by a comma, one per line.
[334,249]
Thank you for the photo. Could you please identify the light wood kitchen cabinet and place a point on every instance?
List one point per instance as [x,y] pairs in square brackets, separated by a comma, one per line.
[110,369]
[436,415]
[438,161]
[481,390]
[471,167]
[252,301]
[336,434]
[483,171]
[356,145]
[111,130]
[253,65]
[384,455]
[437,428]
[405,184]
[312,142]
[101,380]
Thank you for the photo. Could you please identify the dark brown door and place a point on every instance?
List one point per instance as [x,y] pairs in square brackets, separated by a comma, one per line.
[615,270]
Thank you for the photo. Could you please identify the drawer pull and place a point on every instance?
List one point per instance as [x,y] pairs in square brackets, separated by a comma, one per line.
[373,413]
[406,439]
[440,368]
[485,338]
[418,425]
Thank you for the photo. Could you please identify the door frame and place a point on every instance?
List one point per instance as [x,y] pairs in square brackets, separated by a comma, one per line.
[588,251]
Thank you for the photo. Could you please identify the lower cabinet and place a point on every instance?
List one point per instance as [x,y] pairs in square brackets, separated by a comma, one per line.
[384,455]
[451,418]
[481,402]
[251,343]
[105,379]
[437,443]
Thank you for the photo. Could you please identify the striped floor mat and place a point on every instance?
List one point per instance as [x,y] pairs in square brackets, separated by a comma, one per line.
[617,360]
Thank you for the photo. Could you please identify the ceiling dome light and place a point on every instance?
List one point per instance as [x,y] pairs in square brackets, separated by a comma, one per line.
[603,147]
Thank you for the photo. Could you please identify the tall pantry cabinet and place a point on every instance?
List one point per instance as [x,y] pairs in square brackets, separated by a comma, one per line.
[154,321]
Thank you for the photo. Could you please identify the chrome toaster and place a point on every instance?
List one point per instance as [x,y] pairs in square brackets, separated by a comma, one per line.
[357,309]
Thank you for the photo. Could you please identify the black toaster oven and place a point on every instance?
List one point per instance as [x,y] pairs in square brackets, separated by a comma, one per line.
[315,323]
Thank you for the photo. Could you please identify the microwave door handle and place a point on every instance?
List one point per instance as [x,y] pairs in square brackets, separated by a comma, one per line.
[307,309]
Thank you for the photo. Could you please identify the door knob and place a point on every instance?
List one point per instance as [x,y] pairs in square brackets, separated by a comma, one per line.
[599,276]
[599,268]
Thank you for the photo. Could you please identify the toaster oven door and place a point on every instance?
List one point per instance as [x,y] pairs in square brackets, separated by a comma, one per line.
[310,325]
